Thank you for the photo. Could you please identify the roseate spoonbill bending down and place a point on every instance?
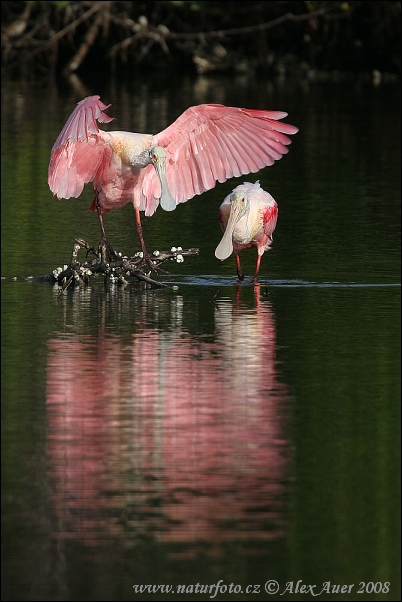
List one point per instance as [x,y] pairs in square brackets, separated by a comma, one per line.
[206,144]
[248,218]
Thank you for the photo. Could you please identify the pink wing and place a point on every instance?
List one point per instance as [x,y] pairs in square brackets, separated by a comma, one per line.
[210,143]
[79,150]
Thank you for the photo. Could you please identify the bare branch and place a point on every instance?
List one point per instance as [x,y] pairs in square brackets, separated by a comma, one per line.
[83,50]
[222,33]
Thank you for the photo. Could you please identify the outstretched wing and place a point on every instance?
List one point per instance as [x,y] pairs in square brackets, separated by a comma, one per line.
[79,150]
[211,143]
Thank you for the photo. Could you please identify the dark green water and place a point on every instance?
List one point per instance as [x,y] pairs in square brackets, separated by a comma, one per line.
[214,431]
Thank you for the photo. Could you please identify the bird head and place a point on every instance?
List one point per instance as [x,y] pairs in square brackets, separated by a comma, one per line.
[156,154]
[239,205]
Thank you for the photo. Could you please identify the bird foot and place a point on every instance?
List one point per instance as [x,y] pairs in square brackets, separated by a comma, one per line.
[106,251]
[146,260]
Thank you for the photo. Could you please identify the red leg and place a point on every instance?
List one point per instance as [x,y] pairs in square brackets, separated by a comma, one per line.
[257,267]
[105,248]
[145,255]
[139,230]
[99,212]
[239,270]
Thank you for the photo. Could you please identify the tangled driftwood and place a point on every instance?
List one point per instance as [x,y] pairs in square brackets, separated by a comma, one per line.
[114,267]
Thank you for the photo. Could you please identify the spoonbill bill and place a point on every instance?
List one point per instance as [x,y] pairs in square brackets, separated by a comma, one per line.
[248,218]
[208,143]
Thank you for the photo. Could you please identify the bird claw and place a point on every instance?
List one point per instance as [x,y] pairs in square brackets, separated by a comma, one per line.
[146,260]
[106,251]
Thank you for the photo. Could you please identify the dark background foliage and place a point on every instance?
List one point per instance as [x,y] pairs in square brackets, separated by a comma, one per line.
[40,39]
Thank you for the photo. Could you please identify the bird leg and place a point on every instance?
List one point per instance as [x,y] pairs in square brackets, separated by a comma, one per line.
[146,257]
[239,270]
[105,249]
[257,267]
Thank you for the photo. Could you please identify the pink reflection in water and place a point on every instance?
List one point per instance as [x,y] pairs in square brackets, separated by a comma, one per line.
[169,436]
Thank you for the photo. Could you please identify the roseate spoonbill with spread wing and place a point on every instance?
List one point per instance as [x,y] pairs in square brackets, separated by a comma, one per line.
[206,144]
[248,218]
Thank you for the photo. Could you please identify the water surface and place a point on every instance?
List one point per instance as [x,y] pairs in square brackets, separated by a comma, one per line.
[211,431]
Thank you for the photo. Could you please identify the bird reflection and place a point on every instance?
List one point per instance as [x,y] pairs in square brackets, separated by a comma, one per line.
[167,435]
